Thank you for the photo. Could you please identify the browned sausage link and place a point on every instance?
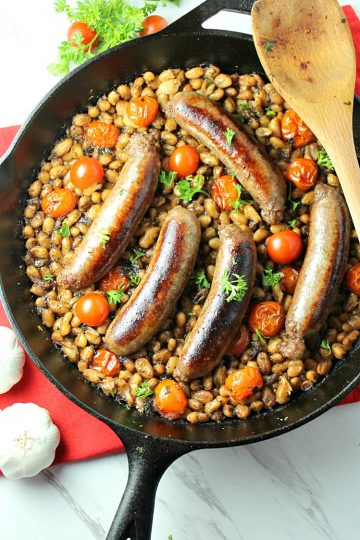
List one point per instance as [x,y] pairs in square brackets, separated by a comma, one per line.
[208,122]
[156,296]
[219,319]
[322,271]
[118,218]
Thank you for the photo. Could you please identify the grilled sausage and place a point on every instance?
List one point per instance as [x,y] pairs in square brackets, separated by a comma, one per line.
[118,218]
[164,280]
[207,122]
[219,319]
[322,271]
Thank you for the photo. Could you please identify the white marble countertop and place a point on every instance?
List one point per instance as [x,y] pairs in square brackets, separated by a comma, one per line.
[305,484]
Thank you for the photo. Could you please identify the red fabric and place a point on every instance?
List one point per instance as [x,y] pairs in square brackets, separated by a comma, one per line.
[82,435]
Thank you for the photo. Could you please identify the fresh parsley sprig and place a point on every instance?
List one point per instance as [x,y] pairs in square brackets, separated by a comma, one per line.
[239,201]
[271,278]
[134,279]
[292,222]
[64,230]
[115,296]
[186,191]
[104,237]
[261,336]
[269,112]
[137,254]
[144,390]
[235,288]
[325,344]
[229,135]
[200,280]
[293,203]
[167,178]
[49,277]
[269,45]
[324,160]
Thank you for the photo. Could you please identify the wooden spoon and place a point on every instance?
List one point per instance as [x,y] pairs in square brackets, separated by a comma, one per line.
[306,49]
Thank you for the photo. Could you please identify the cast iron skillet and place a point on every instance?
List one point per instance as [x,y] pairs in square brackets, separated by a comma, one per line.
[152,443]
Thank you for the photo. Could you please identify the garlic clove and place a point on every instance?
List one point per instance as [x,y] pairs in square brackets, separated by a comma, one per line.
[12,359]
[28,440]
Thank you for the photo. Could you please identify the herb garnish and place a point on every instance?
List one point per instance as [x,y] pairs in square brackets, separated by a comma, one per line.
[138,253]
[293,203]
[144,390]
[269,112]
[121,191]
[325,344]
[115,296]
[271,278]
[134,279]
[239,201]
[49,277]
[292,222]
[167,178]
[104,237]
[64,230]
[229,135]
[113,392]
[186,191]
[236,288]
[324,160]
[269,45]
[200,279]
[261,336]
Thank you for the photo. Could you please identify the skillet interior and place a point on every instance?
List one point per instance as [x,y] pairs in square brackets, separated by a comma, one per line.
[231,52]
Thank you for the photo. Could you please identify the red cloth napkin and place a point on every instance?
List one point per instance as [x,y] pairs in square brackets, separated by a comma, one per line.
[82,435]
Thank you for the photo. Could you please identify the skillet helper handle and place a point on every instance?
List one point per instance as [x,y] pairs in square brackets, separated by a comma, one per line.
[193,20]
[148,460]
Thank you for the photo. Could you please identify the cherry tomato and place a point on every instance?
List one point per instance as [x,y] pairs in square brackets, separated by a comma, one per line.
[92,309]
[114,279]
[353,279]
[223,191]
[268,317]
[303,173]
[142,110]
[102,134]
[170,399]
[86,172]
[58,202]
[243,383]
[284,247]
[289,279]
[153,24]
[184,161]
[86,33]
[294,129]
[106,362]
[240,343]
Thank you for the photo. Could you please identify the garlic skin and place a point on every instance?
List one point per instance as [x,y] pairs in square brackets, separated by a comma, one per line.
[28,440]
[12,359]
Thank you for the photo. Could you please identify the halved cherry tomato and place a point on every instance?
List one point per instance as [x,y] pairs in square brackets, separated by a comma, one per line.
[142,110]
[153,24]
[58,202]
[268,317]
[106,362]
[240,343]
[303,173]
[184,161]
[92,309]
[223,191]
[86,33]
[102,134]
[114,279]
[244,382]
[353,279]
[170,399]
[284,247]
[289,279]
[86,172]
[294,129]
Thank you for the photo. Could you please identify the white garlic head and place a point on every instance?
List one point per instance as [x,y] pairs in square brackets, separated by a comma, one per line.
[12,359]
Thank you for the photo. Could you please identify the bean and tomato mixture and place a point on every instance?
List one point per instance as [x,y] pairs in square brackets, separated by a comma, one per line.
[78,175]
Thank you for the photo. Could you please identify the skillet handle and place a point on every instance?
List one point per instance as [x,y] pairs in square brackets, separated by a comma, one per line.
[193,20]
[148,460]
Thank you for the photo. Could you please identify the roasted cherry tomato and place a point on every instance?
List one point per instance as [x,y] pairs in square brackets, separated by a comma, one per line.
[295,130]
[303,173]
[92,309]
[170,399]
[289,279]
[86,33]
[243,383]
[102,134]
[184,161]
[153,24]
[142,110]
[106,362]
[86,172]
[223,191]
[114,279]
[268,317]
[284,247]
[353,279]
[240,343]
[58,202]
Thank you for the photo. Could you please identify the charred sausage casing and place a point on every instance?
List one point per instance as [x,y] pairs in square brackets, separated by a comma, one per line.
[322,271]
[155,298]
[118,218]
[219,319]
[207,123]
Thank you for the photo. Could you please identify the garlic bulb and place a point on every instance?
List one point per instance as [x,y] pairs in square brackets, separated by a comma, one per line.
[12,359]
[28,440]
